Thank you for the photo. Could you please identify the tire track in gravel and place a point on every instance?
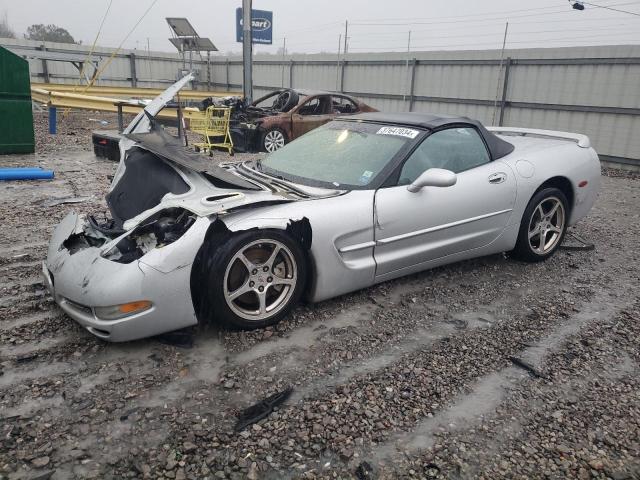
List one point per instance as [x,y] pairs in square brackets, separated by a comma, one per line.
[555,427]
[6,325]
[10,251]
[20,266]
[536,325]
[485,396]
[31,281]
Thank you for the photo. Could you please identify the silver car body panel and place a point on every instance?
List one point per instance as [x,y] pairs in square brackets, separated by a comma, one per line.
[359,237]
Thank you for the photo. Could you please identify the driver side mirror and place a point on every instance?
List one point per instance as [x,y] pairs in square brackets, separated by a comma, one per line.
[433,177]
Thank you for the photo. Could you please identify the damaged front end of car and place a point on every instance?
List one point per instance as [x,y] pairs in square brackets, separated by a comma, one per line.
[124,274]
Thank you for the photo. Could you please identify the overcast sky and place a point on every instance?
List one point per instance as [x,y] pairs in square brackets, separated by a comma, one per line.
[314,26]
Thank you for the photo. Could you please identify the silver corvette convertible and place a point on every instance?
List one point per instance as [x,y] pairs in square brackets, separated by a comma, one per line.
[358,201]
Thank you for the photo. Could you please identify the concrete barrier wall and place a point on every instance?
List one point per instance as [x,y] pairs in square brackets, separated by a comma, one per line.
[591,90]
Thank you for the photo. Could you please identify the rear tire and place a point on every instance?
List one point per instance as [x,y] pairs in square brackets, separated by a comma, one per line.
[255,279]
[543,226]
[274,139]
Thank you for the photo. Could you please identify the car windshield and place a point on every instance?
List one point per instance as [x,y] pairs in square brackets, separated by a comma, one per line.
[339,154]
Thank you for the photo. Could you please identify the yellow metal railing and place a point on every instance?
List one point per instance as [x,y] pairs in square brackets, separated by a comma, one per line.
[104,104]
[127,92]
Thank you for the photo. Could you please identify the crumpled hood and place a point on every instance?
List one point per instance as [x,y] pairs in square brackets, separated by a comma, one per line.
[157,172]
[168,147]
[151,183]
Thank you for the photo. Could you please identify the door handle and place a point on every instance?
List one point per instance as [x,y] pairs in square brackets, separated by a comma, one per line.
[497,177]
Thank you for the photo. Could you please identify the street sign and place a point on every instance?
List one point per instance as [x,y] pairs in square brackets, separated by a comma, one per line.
[261,25]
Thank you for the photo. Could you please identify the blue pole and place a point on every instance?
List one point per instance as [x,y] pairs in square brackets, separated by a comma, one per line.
[53,118]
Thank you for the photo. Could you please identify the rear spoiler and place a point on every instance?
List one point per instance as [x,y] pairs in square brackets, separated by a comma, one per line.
[582,140]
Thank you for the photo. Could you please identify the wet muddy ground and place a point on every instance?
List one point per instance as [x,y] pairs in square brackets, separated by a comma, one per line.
[489,368]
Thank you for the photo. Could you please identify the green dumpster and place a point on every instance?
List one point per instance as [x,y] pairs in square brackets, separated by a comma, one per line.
[16,117]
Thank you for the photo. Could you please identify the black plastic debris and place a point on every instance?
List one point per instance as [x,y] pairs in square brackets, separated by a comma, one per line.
[61,201]
[179,338]
[518,362]
[365,471]
[261,410]
[26,358]
[580,243]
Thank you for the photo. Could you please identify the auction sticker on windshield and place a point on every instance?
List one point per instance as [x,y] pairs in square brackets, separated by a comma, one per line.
[400,131]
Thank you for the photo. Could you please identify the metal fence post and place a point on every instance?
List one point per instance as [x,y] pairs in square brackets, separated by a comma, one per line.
[413,83]
[53,120]
[342,69]
[132,62]
[227,74]
[45,67]
[291,73]
[120,118]
[505,85]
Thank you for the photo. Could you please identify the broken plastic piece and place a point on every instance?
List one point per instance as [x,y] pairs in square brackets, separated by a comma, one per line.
[60,201]
[262,409]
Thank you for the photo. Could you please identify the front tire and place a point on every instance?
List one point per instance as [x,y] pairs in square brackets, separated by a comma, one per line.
[543,226]
[273,139]
[256,278]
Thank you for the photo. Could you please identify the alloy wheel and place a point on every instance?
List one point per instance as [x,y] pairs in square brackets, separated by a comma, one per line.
[546,225]
[273,140]
[260,279]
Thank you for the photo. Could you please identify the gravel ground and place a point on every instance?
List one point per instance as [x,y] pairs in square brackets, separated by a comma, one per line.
[488,368]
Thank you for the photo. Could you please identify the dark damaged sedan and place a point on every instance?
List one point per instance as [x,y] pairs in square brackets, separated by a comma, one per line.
[281,116]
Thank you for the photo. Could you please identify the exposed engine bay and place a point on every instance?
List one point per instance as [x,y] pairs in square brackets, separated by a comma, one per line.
[246,119]
[157,231]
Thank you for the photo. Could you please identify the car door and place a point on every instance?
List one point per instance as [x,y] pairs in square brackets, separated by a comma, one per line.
[311,114]
[414,228]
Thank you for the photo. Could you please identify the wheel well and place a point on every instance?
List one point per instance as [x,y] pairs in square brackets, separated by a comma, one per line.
[563,184]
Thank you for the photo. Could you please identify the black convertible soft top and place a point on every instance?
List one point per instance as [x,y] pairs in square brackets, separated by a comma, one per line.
[498,148]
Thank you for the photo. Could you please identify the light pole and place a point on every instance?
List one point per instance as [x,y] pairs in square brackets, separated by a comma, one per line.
[247,37]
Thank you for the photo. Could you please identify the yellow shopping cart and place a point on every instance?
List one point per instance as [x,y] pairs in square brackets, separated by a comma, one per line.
[213,124]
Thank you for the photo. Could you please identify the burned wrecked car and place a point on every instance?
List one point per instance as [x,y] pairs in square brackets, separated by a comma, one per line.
[357,201]
[283,115]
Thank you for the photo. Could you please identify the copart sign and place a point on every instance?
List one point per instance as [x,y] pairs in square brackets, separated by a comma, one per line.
[261,26]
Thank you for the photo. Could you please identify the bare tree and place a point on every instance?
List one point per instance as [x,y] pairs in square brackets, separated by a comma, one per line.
[5,29]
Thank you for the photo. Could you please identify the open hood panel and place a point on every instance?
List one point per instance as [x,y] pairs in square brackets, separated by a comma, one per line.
[164,145]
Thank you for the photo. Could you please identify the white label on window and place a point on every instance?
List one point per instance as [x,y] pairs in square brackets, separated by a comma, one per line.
[400,131]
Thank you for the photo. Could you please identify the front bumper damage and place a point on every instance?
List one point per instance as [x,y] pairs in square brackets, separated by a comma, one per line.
[84,280]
